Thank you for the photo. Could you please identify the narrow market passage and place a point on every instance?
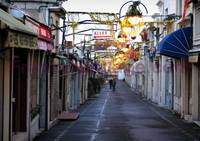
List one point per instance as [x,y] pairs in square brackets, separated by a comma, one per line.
[122,116]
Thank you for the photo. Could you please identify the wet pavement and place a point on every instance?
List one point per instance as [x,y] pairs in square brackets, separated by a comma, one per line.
[122,116]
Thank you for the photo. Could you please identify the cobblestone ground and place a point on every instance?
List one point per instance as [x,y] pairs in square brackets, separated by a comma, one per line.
[122,116]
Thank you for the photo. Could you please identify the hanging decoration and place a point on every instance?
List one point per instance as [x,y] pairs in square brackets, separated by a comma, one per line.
[104,19]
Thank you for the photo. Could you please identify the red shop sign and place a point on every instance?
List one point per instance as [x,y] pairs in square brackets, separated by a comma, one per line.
[44,33]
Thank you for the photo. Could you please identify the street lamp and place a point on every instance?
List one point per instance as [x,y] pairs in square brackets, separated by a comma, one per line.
[132,22]
[133,16]
[133,9]
[130,25]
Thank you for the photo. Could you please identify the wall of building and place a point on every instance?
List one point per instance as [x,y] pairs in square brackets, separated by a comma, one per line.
[55,21]
[196,37]
[38,10]
[35,92]
[6,97]
[195,92]
[1,89]
[5,63]
[43,89]
[170,6]
[196,66]
[177,86]
[155,91]
[54,84]
[150,78]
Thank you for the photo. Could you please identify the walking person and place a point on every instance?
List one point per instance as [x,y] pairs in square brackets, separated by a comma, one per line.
[110,83]
[114,84]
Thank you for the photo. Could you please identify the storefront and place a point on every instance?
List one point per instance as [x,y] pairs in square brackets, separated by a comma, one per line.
[18,40]
[24,83]
[194,55]
[63,81]
[73,104]
[54,99]
[82,83]
[44,54]
[176,73]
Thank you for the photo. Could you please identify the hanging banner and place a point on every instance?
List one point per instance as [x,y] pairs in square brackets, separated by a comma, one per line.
[185,8]
[184,12]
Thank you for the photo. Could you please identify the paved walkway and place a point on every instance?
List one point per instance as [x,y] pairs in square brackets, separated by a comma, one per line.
[122,116]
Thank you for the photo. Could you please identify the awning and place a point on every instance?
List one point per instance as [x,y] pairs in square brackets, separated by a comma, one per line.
[15,24]
[176,44]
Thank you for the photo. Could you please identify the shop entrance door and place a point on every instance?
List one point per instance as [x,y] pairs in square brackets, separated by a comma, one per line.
[19,105]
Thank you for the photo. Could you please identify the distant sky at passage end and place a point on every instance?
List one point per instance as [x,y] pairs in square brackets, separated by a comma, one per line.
[111,6]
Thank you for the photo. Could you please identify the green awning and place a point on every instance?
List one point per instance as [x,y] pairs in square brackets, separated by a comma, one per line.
[15,24]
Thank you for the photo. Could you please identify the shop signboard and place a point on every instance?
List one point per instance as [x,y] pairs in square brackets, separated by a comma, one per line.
[17,39]
[102,34]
